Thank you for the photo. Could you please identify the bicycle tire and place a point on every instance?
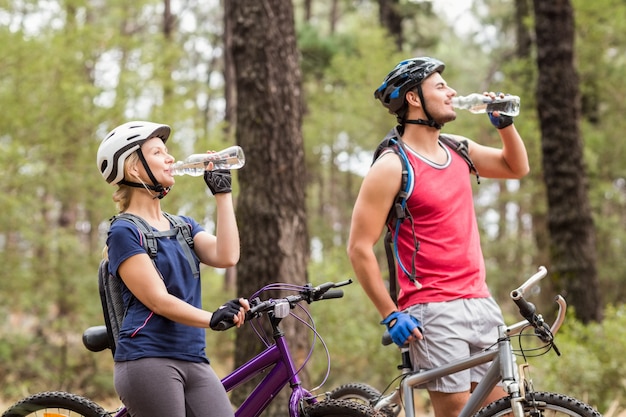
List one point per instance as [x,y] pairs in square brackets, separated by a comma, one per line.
[55,403]
[340,408]
[364,394]
[538,403]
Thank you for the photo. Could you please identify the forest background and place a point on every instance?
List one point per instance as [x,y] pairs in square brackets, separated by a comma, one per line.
[71,70]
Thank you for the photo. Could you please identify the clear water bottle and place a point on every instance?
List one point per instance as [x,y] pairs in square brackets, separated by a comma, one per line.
[195,165]
[479,103]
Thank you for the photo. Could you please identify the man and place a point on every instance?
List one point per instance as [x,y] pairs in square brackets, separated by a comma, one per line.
[444,309]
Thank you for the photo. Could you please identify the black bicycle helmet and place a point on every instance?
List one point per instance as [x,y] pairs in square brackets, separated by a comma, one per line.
[407,75]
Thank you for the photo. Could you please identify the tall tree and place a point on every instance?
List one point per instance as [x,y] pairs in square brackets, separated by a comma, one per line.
[271,203]
[522,32]
[391,20]
[572,232]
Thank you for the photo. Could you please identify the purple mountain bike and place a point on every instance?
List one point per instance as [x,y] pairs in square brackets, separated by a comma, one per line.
[275,363]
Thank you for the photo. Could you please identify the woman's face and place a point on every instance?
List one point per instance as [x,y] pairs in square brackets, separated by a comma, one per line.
[159,161]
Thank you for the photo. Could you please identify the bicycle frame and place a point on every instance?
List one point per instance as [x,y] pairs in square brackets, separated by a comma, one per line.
[284,371]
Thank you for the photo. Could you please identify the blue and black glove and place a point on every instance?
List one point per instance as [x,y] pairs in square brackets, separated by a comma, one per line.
[218,181]
[501,121]
[400,326]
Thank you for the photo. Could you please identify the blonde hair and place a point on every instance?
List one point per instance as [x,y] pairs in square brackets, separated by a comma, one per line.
[122,195]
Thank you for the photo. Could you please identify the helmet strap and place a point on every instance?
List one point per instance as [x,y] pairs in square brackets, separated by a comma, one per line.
[157,187]
[430,122]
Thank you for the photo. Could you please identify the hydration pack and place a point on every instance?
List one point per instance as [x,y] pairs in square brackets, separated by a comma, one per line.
[398,211]
[110,286]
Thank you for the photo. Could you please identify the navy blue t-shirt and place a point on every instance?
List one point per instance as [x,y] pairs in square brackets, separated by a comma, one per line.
[145,334]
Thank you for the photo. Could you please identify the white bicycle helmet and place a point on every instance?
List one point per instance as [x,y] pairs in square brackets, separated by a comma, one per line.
[122,142]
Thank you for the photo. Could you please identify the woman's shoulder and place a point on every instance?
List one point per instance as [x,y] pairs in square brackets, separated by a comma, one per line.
[124,229]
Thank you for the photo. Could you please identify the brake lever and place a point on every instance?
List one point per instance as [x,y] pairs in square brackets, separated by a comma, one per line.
[317,293]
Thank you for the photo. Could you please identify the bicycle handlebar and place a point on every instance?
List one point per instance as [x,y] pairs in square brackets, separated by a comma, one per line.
[529,311]
[308,293]
[530,282]
[332,294]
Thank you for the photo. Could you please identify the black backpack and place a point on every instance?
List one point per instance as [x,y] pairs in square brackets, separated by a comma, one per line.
[110,286]
[398,211]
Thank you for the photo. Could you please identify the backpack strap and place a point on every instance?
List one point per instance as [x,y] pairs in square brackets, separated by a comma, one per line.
[461,148]
[398,211]
[180,229]
[393,142]
[183,235]
[149,241]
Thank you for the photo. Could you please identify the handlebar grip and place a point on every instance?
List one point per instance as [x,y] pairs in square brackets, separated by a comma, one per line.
[526,309]
[332,294]
[223,325]
[529,312]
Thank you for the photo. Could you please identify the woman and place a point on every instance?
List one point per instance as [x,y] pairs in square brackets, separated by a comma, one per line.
[161,368]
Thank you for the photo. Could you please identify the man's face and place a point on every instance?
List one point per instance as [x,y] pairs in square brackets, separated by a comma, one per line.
[438,98]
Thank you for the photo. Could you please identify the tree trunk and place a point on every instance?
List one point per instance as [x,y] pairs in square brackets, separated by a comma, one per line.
[523,33]
[391,20]
[271,202]
[230,91]
[572,232]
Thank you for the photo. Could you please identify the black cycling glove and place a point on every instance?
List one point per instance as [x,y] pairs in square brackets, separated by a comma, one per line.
[222,318]
[218,181]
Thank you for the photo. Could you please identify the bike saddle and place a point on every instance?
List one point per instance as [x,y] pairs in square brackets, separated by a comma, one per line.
[96,338]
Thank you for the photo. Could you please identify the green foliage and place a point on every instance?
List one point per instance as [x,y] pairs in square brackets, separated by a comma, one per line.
[591,363]
[343,124]
[348,325]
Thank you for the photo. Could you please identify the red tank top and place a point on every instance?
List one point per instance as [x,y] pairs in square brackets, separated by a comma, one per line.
[449,263]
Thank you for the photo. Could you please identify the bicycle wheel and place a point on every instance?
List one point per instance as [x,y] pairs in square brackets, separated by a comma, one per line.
[364,394]
[541,404]
[339,408]
[55,404]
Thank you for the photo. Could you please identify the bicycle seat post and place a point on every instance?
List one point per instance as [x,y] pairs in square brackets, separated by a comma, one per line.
[406,365]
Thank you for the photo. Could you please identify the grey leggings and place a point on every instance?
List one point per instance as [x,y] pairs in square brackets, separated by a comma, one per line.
[154,387]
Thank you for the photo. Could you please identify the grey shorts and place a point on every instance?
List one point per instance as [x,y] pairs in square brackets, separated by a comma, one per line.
[455,329]
[155,387]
